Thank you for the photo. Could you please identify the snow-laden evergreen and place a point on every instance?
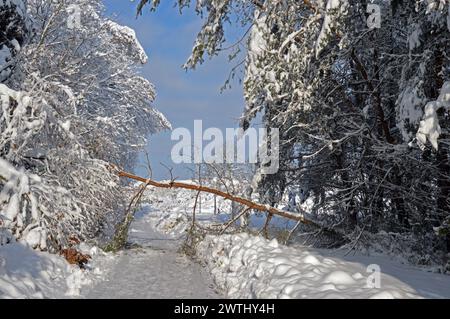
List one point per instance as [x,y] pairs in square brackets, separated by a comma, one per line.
[358,90]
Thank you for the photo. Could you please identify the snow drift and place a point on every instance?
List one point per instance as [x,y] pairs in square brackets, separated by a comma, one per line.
[248,266]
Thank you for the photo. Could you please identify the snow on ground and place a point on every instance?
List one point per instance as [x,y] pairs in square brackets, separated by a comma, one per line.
[247,266]
[27,273]
[154,267]
[240,265]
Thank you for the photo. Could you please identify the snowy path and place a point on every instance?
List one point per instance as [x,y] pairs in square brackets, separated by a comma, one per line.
[156,270]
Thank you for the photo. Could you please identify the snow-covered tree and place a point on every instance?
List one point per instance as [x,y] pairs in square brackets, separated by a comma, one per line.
[74,103]
[357,89]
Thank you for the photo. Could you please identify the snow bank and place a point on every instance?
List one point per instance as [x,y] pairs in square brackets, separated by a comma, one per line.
[246,266]
[26,273]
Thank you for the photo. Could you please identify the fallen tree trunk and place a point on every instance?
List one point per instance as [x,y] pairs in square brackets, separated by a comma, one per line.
[300,217]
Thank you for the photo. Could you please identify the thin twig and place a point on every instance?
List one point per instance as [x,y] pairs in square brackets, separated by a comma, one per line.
[234,220]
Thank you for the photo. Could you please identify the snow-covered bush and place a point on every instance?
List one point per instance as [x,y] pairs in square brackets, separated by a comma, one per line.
[74,103]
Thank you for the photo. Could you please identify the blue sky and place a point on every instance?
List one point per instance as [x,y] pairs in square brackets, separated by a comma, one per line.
[182,96]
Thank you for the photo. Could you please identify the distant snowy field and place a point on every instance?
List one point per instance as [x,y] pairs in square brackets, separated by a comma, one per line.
[248,266]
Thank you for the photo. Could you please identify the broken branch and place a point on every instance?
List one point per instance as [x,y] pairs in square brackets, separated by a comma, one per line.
[243,201]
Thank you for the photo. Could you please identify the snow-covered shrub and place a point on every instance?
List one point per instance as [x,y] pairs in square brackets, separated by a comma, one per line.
[74,103]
